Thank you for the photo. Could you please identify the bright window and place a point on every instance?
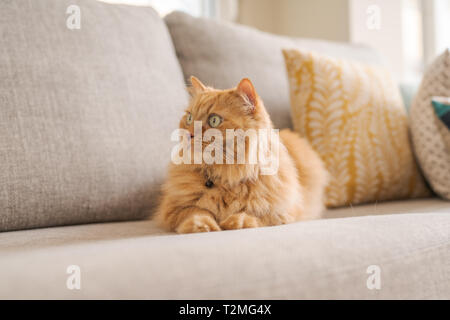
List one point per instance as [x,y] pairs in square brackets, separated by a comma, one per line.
[197,8]
[436,27]
[408,33]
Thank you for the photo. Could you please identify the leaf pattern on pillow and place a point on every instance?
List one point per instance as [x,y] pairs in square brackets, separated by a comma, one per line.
[353,116]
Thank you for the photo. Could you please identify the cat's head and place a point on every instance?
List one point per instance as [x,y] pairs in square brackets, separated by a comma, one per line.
[211,110]
[237,108]
[230,131]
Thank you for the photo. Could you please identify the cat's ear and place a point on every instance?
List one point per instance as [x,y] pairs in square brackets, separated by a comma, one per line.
[197,85]
[246,88]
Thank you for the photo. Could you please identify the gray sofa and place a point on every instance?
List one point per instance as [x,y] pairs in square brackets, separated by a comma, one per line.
[85,123]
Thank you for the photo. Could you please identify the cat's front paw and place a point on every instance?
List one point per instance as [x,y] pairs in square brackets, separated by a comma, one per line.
[240,221]
[198,223]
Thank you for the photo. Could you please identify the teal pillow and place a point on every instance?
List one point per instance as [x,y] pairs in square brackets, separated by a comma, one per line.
[441,107]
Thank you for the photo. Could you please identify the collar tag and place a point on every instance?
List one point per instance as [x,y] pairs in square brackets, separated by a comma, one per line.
[209,184]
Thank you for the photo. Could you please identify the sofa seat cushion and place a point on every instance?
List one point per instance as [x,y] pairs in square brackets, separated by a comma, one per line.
[324,259]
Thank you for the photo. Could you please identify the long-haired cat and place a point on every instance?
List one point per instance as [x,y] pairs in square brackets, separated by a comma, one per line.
[212,197]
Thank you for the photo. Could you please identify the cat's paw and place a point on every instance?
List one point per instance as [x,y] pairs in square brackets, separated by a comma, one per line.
[198,223]
[240,221]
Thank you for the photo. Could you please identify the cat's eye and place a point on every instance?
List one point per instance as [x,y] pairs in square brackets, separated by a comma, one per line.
[189,119]
[214,120]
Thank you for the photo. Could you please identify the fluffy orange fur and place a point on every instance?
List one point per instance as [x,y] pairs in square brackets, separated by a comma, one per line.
[241,197]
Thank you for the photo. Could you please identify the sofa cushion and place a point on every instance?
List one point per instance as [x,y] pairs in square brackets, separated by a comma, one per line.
[353,116]
[86,114]
[221,54]
[316,259]
[429,134]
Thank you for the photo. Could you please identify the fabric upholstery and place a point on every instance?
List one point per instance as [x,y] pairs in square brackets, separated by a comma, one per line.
[354,117]
[221,54]
[322,259]
[86,114]
[427,129]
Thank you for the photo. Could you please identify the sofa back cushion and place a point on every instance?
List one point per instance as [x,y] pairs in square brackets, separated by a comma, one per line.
[86,114]
[221,54]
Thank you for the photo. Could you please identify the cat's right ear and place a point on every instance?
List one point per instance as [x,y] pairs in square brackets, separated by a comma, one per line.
[197,86]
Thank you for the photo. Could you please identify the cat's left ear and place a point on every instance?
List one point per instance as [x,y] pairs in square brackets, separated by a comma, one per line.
[246,88]
[197,85]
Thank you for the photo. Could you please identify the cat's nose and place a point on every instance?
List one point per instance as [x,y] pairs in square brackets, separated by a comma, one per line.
[192,135]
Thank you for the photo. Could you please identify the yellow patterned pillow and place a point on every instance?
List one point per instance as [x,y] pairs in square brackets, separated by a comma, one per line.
[354,117]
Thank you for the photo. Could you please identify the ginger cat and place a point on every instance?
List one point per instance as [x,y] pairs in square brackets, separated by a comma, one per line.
[212,197]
